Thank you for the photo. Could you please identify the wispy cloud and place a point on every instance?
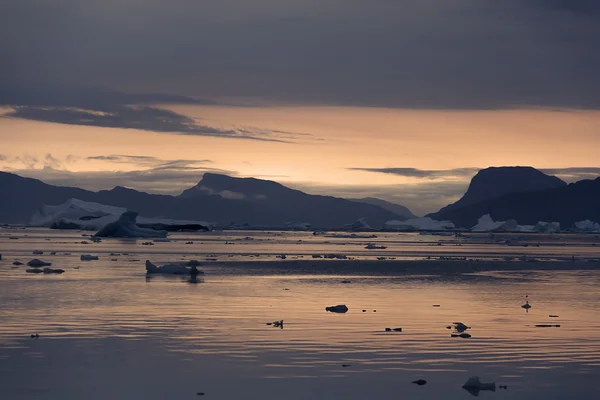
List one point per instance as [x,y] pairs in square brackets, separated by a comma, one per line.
[141,117]
[424,173]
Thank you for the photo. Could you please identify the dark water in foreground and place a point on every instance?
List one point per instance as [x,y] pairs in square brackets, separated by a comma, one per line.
[106,331]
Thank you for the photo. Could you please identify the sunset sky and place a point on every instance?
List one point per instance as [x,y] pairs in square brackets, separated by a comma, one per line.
[402,100]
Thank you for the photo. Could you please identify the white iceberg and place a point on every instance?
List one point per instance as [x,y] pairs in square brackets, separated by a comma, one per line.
[79,214]
[76,214]
[126,227]
[190,268]
[487,224]
[587,226]
[547,227]
[419,224]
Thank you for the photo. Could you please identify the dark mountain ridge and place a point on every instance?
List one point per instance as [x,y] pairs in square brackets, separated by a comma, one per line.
[240,200]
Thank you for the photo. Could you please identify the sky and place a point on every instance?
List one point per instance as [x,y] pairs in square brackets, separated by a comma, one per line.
[403,100]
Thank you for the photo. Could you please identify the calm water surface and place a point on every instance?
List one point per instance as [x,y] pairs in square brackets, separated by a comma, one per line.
[107,331]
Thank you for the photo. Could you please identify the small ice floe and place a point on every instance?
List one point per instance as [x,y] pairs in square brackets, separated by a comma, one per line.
[473,385]
[420,382]
[190,268]
[36,263]
[340,308]
[37,252]
[88,257]
[372,246]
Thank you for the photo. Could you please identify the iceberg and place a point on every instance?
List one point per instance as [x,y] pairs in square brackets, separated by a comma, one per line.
[587,226]
[547,227]
[190,268]
[419,224]
[84,215]
[126,227]
[76,214]
[487,224]
[37,263]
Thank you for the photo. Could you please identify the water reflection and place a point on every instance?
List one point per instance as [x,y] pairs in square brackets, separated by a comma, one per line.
[224,320]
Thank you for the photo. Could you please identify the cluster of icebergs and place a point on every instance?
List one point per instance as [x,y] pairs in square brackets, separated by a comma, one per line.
[487,224]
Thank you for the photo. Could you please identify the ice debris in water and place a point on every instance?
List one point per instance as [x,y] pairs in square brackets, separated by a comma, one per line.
[189,268]
[340,308]
[36,263]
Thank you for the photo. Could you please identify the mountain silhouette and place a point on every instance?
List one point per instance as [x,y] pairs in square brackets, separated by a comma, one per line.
[397,209]
[216,198]
[534,197]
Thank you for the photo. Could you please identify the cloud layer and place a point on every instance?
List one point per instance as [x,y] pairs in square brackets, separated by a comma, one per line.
[407,53]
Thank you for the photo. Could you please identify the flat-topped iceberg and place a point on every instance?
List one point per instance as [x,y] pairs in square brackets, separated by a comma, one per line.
[76,214]
[126,227]
[419,224]
[84,215]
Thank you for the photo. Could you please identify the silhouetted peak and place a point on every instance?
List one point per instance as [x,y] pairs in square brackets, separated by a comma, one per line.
[497,181]
[236,188]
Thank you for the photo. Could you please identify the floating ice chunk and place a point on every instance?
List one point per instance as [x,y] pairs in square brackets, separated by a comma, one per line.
[474,385]
[189,268]
[36,263]
[587,226]
[340,308]
[372,246]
